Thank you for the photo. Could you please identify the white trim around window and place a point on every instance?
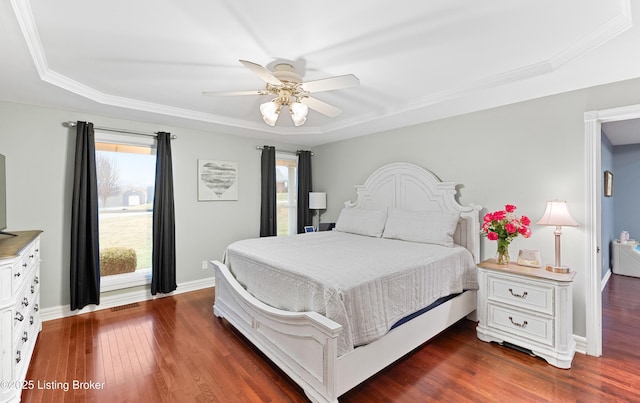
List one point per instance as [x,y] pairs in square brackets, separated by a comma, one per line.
[125,280]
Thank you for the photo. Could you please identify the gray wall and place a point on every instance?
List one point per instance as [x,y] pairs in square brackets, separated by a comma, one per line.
[39,155]
[523,154]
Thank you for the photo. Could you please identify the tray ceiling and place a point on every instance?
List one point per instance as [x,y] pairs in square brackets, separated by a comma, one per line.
[150,60]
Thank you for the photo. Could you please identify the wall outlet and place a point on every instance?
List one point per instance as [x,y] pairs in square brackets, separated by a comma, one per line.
[205,265]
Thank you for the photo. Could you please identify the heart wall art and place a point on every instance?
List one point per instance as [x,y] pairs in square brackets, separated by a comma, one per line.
[217,180]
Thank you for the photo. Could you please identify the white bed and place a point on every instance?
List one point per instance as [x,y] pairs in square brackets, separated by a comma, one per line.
[317,350]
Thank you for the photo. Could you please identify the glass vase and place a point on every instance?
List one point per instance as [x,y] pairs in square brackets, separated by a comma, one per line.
[502,255]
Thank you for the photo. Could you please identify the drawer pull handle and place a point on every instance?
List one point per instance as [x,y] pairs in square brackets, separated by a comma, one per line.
[25,336]
[33,289]
[31,256]
[36,308]
[520,325]
[31,320]
[36,280]
[523,295]
[25,301]
[24,265]
[19,317]
[19,356]
[17,274]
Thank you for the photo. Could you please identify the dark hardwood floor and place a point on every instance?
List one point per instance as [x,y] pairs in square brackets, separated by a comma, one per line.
[174,349]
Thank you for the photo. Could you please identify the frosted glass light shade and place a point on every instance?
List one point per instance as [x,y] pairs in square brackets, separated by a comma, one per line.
[557,214]
[317,200]
[298,113]
[270,112]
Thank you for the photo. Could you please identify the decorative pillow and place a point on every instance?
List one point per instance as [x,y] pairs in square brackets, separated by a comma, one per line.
[433,227]
[362,222]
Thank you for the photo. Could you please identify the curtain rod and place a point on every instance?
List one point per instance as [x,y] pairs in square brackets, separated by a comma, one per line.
[260,148]
[110,129]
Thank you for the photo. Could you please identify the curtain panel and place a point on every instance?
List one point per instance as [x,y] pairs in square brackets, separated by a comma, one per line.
[268,221]
[85,248]
[163,267]
[305,216]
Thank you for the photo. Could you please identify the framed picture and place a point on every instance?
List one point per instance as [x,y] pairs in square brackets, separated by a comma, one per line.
[217,180]
[608,184]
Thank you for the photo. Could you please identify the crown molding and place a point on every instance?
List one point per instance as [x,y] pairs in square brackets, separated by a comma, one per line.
[618,24]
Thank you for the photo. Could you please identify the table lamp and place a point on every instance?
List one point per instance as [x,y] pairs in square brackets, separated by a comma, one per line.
[558,215]
[317,201]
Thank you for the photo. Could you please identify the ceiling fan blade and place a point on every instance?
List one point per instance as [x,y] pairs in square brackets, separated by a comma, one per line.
[321,106]
[234,93]
[333,83]
[261,72]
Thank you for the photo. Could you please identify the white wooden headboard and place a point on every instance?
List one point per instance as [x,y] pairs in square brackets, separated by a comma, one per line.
[408,186]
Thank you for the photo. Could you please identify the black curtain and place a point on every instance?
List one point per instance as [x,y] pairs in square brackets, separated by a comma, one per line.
[85,248]
[268,223]
[304,187]
[163,266]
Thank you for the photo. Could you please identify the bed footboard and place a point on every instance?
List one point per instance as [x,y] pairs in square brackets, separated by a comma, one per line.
[302,344]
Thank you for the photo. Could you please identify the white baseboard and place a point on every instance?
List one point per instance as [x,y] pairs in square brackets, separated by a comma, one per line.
[58,312]
[605,280]
[581,344]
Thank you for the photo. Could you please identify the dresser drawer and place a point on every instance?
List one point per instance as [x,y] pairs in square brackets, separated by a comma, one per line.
[20,270]
[19,355]
[6,283]
[529,295]
[22,309]
[537,328]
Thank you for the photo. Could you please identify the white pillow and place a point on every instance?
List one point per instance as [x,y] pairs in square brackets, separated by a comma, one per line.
[433,227]
[362,222]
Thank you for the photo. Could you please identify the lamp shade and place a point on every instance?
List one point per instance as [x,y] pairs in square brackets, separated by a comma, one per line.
[317,200]
[557,214]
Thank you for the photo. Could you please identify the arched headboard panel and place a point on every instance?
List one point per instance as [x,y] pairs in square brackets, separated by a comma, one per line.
[410,187]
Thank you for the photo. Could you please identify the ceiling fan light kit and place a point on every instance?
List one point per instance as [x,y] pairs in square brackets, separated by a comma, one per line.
[298,113]
[291,92]
[270,112]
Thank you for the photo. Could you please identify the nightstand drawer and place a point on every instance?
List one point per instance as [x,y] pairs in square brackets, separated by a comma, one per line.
[525,294]
[539,329]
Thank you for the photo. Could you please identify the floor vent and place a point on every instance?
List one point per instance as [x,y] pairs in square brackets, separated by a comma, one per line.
[127,306]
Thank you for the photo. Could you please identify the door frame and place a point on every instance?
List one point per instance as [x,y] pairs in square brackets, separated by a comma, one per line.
[593,121]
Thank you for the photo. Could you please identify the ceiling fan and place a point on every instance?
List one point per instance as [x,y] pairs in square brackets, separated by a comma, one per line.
[290,91]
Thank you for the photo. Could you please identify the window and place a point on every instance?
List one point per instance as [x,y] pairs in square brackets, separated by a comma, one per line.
[125,171]
[286,193]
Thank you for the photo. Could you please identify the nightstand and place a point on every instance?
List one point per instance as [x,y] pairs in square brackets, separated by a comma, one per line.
[529,308]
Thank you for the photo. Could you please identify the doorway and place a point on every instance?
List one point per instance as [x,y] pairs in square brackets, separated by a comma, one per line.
[594,190]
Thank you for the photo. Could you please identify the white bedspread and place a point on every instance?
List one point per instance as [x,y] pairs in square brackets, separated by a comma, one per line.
[365,284]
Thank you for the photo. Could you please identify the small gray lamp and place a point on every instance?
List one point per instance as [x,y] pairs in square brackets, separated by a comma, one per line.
[317,201]
[557,214]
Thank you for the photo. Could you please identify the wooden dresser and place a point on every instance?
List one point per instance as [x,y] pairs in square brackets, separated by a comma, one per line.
[19,305]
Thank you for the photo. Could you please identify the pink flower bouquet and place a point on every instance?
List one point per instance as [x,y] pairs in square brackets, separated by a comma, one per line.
[503,226]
